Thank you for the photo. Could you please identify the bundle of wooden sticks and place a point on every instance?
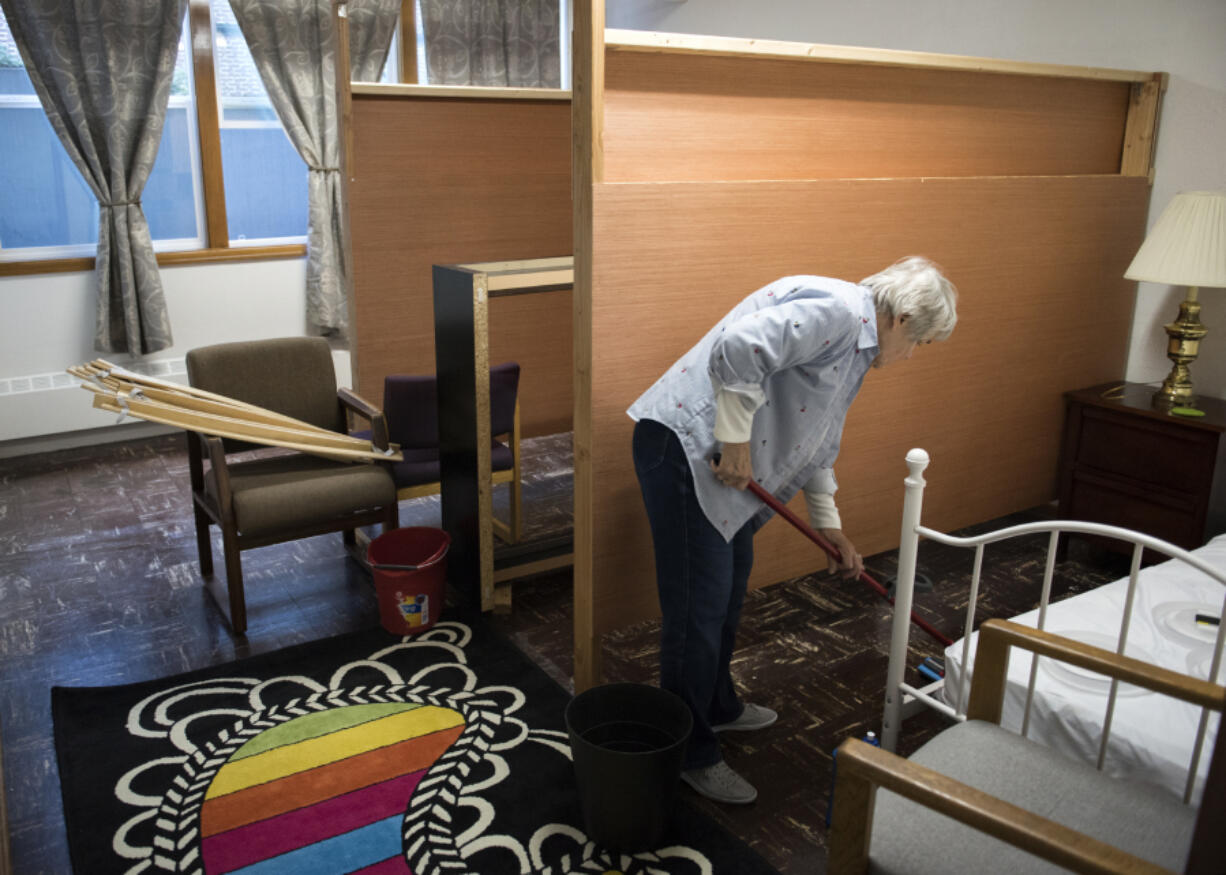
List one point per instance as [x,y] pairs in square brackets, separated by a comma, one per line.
[130,394]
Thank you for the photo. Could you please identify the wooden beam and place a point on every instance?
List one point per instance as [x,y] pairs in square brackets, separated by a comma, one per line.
[476,92]
[645,41]
[408,41]
[213,425]
[527,569]
[344,109]
[587,163]
[164,259]
[99,367]
[344,99]
[208,124]
[187,401]
[1141,129]
[141,403]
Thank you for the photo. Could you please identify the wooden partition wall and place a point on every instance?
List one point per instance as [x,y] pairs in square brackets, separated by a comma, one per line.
[706,168]
[458,175]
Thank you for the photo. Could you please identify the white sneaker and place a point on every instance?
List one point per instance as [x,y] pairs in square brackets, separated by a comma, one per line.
[721,784]
[751,717]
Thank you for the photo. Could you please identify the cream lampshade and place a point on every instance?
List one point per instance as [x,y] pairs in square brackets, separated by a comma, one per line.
[1186,247]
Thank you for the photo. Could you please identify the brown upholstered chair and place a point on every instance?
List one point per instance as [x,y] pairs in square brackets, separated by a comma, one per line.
[279,495]
[410,404]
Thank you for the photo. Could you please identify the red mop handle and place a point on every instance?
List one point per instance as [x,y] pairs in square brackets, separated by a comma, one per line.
[805,529]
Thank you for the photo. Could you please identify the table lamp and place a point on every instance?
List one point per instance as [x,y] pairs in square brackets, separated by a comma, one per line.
[1186,247]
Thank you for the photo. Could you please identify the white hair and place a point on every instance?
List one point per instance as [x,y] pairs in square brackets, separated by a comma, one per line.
[914,287]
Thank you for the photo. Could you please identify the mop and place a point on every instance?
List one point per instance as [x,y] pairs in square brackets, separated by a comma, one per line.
[780,508]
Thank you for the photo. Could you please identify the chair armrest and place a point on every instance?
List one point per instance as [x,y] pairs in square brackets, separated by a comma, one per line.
[864,767]
[992,663]
[355,403]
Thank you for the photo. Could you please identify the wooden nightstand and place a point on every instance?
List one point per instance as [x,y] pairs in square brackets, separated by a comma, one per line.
[1125,463]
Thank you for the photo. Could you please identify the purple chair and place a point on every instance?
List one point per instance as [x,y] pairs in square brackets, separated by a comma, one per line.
[410,404]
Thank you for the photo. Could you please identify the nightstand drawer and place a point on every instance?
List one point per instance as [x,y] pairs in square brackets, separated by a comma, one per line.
[1117,502]
[1140,451]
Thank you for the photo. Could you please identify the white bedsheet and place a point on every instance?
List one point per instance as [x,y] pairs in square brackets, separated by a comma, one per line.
[1151,735]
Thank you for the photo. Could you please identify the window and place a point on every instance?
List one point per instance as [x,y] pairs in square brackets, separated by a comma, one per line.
[413,8]
[264,179]
[59,213]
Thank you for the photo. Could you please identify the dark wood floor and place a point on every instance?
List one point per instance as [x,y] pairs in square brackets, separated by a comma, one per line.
[99,585]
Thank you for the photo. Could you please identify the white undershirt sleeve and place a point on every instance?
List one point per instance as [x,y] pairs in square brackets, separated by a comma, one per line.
[822,512]
[733,417]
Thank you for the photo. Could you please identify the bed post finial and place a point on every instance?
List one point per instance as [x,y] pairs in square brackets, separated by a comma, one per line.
[908,547]
[917,461]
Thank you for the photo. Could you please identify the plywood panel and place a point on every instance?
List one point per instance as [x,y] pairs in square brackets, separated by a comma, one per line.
[445,181]
[672,117]
[1044,308]
[535,330]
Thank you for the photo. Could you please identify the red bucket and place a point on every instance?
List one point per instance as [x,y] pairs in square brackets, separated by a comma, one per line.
[410,570]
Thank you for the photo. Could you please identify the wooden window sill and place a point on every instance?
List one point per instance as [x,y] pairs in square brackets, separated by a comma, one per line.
[165,259]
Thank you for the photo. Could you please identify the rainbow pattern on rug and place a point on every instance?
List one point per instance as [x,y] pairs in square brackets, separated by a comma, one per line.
[325,792]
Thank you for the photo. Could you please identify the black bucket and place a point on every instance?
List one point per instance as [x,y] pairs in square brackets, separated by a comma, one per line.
[627,742]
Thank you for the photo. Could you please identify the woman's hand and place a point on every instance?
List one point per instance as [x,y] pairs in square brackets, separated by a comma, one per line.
[734,468]
[852,564]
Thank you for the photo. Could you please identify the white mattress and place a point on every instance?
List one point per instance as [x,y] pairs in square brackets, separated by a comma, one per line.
[1151,735]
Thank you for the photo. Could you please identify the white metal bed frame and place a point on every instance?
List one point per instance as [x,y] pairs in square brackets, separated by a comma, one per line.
[902,699]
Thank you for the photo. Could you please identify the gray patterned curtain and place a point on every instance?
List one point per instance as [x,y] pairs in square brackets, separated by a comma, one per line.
[102,71]
[371,23]
[293,44]
[512,43]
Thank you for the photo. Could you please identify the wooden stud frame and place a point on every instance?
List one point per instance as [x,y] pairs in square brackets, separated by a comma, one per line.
[667,252]
[604,184]
[408,41]
[461,325]
[587,171]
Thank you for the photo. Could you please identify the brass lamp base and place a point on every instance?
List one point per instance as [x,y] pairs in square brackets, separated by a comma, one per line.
[1182,347]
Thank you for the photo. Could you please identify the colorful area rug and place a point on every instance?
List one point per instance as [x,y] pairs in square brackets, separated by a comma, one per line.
[441,753]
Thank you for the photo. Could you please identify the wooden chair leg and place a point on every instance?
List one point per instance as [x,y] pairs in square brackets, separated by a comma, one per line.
[517,485]
[234,583]
[204,547]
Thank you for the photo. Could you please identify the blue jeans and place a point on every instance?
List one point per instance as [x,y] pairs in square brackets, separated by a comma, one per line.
[701,580]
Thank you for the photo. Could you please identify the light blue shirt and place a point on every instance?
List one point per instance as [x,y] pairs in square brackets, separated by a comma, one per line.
[795,353]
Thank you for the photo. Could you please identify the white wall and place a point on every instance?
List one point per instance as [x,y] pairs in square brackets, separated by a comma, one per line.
[46,324]
[1186,38]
